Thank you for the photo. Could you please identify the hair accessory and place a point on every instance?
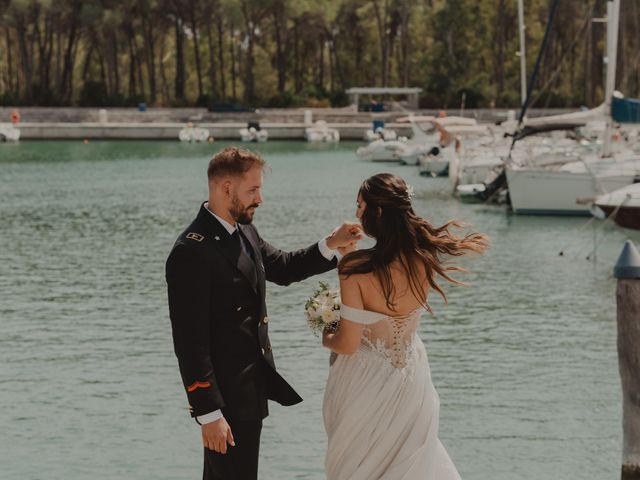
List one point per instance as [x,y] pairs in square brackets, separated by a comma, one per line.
[410,192]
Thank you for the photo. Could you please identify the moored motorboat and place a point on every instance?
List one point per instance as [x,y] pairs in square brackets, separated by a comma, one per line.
[321,132]
[9,133]
[436,162]
[623,204]
[378,133]
[253,133]
[190,133]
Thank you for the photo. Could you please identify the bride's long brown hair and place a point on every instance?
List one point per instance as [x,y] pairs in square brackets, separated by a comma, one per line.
[402,235]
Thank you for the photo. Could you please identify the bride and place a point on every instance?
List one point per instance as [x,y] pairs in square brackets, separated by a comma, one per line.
[380,406]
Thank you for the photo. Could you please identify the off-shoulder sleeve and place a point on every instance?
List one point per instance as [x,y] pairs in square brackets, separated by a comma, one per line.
[357,315]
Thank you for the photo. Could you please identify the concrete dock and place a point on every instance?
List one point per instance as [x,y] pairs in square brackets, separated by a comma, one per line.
[169,131]
[67,123]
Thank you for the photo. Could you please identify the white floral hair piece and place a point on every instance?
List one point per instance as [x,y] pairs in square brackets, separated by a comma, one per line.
[410,192]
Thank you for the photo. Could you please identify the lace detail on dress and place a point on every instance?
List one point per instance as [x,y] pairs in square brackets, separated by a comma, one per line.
[399,352]
[391,338]
[394,341]
[398,359]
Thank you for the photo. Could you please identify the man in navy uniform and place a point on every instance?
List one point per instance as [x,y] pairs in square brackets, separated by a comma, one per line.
[216,276]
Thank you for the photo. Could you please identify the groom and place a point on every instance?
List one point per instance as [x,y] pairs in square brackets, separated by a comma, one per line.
[216,276]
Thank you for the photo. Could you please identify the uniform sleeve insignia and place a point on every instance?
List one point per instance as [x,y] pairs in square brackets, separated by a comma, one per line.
[195,236]
[196,385]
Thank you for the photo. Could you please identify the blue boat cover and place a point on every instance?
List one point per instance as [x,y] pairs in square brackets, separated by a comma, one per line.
[625,110]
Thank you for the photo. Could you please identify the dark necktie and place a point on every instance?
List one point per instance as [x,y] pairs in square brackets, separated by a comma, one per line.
[244,243]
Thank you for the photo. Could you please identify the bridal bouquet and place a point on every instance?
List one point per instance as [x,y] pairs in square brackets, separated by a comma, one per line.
[323,309]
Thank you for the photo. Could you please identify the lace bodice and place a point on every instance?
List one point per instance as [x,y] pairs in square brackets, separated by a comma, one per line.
[390,336]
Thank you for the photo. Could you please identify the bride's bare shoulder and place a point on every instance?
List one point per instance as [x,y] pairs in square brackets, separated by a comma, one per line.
[354,264]
[356,258]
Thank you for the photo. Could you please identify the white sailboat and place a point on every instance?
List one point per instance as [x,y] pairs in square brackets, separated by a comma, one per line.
[569,188]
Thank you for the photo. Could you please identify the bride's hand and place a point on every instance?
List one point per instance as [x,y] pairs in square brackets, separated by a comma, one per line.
[345,236]
[326,335]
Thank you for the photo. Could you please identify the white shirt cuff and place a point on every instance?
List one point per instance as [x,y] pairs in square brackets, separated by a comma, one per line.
[327,252]
[210,417]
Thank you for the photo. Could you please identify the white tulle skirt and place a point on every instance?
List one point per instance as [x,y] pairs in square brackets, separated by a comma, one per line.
[382,421]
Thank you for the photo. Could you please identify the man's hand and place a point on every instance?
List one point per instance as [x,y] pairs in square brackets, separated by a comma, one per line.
[216,435]
[348,249]
[345,236]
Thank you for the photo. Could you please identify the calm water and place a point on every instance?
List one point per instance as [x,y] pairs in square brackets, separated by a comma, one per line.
[524,358]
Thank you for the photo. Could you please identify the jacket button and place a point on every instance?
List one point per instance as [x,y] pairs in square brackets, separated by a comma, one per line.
[265,320]
[263,351]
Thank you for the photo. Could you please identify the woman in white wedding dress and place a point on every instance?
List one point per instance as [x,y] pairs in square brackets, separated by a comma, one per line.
[380,407]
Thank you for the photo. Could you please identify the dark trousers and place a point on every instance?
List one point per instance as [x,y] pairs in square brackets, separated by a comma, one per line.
[240,462]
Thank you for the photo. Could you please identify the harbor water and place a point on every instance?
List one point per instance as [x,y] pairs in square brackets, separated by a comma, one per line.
[523,357]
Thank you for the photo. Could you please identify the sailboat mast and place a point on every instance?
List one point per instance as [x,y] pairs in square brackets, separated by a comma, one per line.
[523,60]
[613,17]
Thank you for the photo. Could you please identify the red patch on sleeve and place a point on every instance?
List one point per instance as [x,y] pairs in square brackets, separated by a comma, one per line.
[195,385]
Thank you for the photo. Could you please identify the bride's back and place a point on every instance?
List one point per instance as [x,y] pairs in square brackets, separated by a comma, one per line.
[403,300]
[388,331]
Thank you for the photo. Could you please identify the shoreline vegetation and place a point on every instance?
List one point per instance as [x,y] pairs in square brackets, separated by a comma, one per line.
[294,53]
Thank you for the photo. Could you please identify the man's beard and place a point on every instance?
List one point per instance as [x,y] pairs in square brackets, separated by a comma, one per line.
[241,213]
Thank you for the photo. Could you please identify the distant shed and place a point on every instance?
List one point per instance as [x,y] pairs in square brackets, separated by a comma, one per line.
[410,92]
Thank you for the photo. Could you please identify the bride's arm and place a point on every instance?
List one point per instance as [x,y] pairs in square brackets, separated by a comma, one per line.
[346,338]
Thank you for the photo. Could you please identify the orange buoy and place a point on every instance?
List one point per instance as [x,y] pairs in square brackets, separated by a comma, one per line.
[15,117]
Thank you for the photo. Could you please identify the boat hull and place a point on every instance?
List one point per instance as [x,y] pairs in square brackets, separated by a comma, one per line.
[9,133]
[538,192]
[435,167]
[626,217]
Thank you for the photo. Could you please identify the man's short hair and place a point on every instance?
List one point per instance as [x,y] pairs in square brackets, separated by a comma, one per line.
[233,161]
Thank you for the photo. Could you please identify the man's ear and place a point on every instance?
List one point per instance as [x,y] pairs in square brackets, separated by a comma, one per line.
[227,187]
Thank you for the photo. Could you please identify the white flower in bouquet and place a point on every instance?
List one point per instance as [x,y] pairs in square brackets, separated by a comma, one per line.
[328,316]
[323,309]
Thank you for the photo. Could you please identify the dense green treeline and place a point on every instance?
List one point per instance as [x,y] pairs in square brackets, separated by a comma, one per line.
[303,52]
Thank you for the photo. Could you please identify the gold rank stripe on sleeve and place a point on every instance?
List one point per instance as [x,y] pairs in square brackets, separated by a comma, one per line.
[195,236]
[195,385]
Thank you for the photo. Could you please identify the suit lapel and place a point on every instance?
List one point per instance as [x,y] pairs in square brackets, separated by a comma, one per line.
[225,244]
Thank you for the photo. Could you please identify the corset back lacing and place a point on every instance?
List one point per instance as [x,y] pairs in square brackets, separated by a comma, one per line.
[389,336]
